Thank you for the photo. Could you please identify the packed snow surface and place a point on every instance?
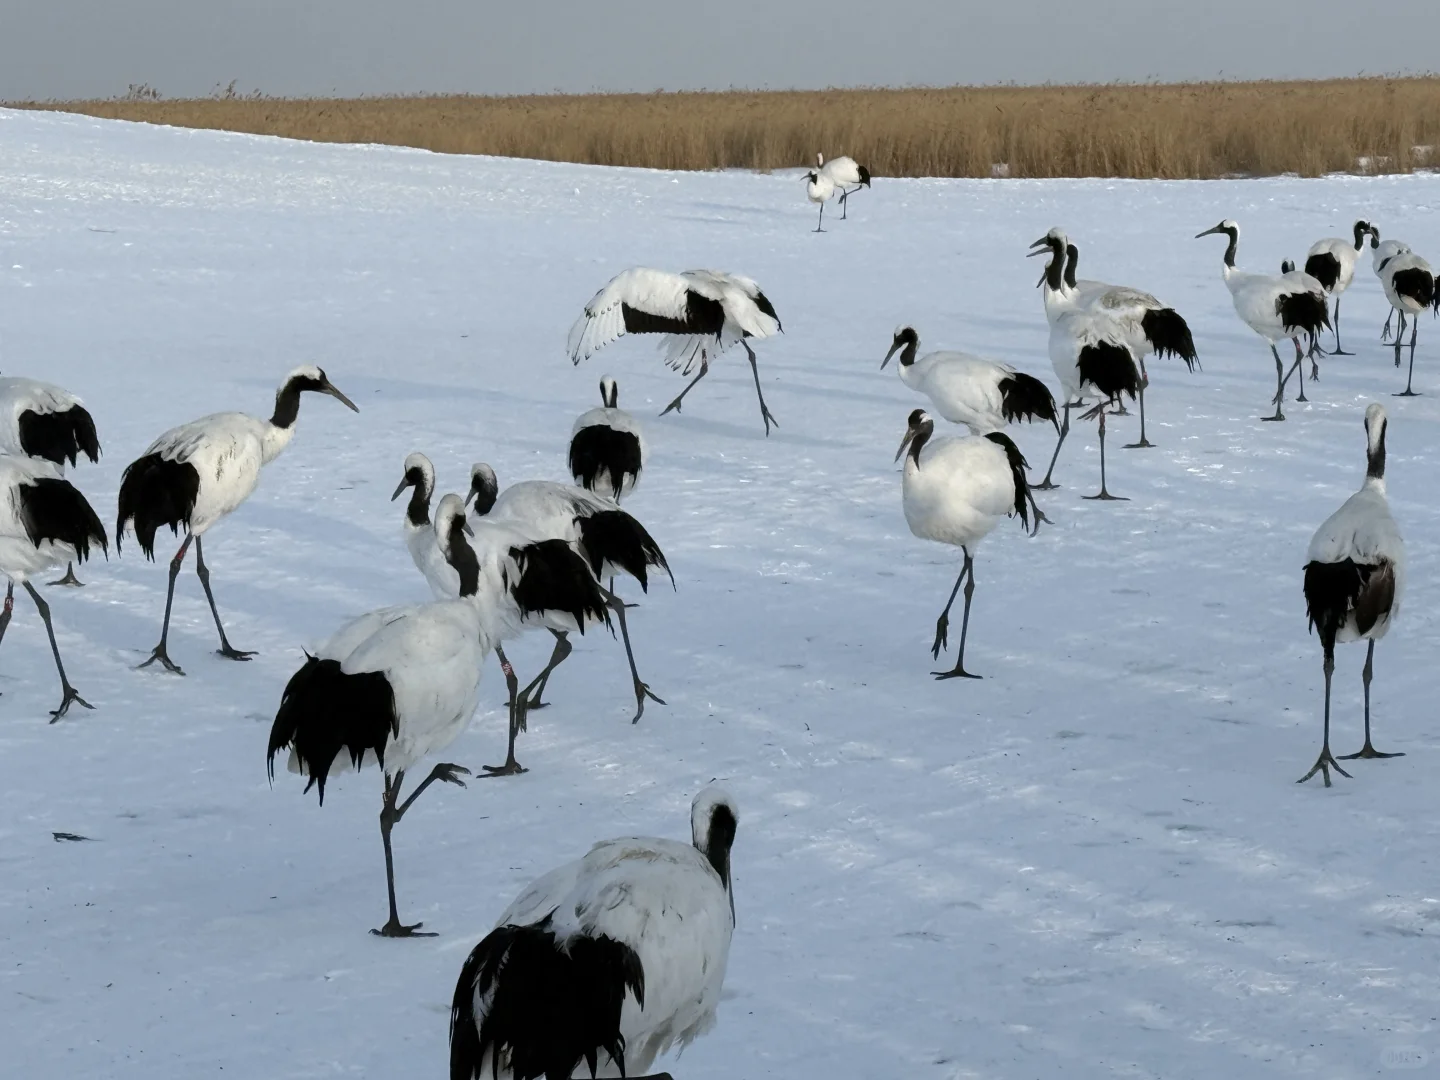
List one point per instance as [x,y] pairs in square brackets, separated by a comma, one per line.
[1093,863]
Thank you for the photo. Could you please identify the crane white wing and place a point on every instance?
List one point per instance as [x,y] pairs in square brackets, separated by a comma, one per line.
[19,395]
[657,298]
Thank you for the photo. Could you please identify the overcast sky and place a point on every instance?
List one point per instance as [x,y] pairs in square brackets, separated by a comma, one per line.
[95,48]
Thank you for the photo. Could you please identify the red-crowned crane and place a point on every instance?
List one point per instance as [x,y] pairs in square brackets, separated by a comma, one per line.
[524,583]
[1274,307]
[819,189]
[195,474]
[1148,325]
[984,395]
[612,541]
[701,313]
[39,420]
[1332,263]
[1409,285]
[607,447]
[1089,352]
[605,963]
[1354,580]
[955,491]
[44,523]
[390,688]
[847,175]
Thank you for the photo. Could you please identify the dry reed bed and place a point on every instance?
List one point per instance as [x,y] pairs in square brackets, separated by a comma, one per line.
[1163,131]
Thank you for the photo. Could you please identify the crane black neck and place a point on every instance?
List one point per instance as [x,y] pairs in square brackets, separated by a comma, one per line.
[1361,228]
[1055,268]
[719,838]
[1072,261]
[922,436]
[1376,456]
[287,404]
[460,555]
[417,512]
[1234,235]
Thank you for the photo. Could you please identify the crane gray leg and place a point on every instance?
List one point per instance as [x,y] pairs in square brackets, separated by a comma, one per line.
[1279,384]
[642,690]
[203,573]
[1368,750]
[1104,494]
[675,405]
[967,574]
[536,689]
[1144,443]
[390,815]
[1047,484]
[1326,761]
[1338,350]
[7,610]
[68,692]
[1407,392]
[764,411]
[159,653]
[517,719]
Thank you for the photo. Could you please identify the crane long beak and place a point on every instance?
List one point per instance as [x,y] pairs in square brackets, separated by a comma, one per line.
[888,355]
[1043,242]
[1038,251]
[405,483]
[466,529]
[334,391]
[1208,232]
[468,496]
[905,443]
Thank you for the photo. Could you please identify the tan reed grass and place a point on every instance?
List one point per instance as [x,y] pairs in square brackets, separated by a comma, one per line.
[1201,130]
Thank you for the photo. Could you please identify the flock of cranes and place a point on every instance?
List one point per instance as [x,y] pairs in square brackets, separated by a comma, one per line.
[611,960]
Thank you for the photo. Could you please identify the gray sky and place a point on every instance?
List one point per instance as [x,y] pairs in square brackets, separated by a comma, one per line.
[95,48]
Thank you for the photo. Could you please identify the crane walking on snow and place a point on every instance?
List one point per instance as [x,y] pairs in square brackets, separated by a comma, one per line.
[44,522]
[195,474]
[955,491]
[1274,306]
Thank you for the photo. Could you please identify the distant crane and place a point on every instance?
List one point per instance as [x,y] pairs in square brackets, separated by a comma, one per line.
[819,189]
[1332,263]
[1409,285]
[1274,307]
[848,176]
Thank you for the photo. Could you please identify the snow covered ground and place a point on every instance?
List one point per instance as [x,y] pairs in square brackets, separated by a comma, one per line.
[1093,863]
